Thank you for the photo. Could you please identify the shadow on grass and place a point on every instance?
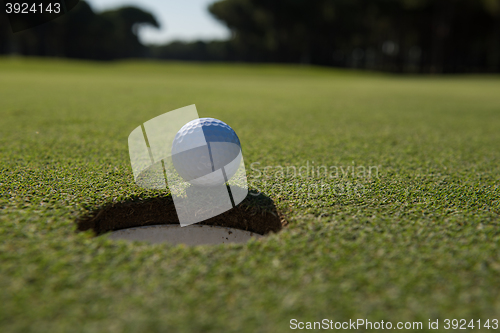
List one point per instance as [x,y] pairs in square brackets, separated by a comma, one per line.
[257,213]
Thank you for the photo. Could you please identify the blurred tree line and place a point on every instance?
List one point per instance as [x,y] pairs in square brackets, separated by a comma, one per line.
[428,36]
[81,33]
[433,36]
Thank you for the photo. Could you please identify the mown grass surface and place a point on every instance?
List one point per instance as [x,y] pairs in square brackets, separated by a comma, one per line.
[418,240]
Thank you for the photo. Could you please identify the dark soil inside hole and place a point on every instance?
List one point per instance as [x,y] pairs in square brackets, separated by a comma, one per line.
[256,213]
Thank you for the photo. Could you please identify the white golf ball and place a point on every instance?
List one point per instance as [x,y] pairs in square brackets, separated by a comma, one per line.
[206,152]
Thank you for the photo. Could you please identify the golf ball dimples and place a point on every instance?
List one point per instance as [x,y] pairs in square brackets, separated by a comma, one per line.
[204,149]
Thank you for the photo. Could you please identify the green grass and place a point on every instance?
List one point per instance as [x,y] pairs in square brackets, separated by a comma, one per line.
[419,241]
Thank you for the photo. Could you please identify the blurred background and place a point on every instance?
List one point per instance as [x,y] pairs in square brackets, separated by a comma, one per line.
[400,36]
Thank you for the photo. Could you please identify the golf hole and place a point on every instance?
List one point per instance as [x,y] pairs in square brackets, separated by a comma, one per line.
[190,235]
[155,221]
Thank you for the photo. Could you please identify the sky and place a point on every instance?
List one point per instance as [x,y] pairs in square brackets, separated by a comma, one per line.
[186,20]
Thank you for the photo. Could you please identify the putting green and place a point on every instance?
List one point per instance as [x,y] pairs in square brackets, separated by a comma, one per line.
[390,186]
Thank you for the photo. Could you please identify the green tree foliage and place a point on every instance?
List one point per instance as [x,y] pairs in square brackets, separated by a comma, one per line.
[82,33]
[126,22]
[433,36]
[395,35]
[197,51]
